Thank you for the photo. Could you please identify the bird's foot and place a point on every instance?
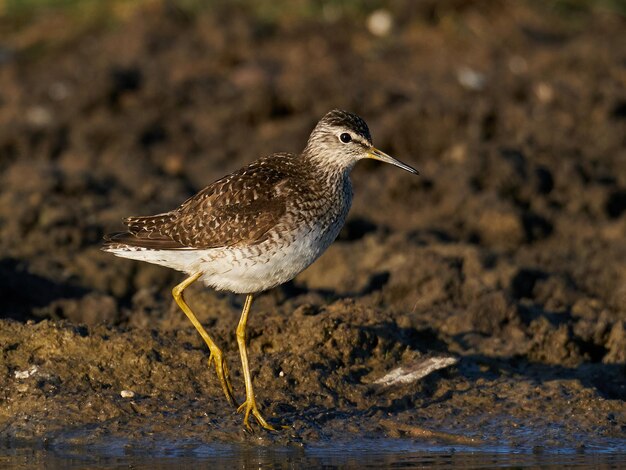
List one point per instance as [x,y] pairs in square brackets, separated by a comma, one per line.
[250,408]
[221,369]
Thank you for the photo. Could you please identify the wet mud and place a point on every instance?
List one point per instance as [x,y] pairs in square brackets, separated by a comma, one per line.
[508,253]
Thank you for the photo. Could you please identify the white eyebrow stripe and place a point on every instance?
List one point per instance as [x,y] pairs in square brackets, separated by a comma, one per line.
[356,137]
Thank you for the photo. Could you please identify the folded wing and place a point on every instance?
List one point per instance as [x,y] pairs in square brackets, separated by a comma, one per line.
[239,209]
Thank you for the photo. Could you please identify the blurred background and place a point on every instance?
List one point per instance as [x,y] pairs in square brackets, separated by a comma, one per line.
[510,245]
[514,111]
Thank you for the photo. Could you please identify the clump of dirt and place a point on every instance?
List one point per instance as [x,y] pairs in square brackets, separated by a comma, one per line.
[508,252]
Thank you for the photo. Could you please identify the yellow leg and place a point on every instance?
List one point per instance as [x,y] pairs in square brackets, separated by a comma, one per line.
[216,357]
[250,403]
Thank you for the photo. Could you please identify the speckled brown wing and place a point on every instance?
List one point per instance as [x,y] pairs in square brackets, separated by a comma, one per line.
[238,209]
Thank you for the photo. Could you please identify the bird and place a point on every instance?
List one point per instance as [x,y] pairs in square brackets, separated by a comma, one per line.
[256,228]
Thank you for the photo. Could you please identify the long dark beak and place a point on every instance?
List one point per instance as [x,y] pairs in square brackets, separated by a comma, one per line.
[376,154]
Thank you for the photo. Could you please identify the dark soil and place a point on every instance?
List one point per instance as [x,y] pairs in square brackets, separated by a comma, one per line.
[509,252]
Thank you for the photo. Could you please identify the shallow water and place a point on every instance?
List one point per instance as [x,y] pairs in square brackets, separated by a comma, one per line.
[365,453]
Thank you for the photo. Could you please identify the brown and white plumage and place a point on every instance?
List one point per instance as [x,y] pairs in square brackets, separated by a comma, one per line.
[261,225]
[235,210]
[247,232]
[257,227]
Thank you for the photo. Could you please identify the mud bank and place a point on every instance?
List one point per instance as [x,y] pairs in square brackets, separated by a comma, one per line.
[508,253]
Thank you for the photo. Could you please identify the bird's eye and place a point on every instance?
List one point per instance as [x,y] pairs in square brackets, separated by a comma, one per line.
[345,137]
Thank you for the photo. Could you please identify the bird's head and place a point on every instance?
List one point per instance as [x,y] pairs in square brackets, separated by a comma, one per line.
[342,138]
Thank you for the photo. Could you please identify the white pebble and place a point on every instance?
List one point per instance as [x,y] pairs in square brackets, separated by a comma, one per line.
[127,394]
[281,374]
[380,22]
[470,78]
[24,374]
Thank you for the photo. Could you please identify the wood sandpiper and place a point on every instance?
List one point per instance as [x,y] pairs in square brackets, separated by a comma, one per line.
[256,228]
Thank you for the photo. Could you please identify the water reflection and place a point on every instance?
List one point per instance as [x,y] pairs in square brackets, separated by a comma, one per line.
[375,453]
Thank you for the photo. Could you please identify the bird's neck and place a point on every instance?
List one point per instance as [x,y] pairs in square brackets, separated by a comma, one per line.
[329,166]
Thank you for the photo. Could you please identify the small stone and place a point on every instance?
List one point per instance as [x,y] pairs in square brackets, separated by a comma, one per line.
[38,116]
[127,394]
[470,79]
[380,23]
[281,374]
[544,92]
[24,374]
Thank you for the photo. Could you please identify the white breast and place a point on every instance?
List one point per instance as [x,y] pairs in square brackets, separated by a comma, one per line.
[269,264]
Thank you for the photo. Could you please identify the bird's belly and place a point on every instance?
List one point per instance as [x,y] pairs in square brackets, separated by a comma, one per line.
[268,264]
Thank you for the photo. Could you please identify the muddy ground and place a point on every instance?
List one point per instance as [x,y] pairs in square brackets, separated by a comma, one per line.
[508,252]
